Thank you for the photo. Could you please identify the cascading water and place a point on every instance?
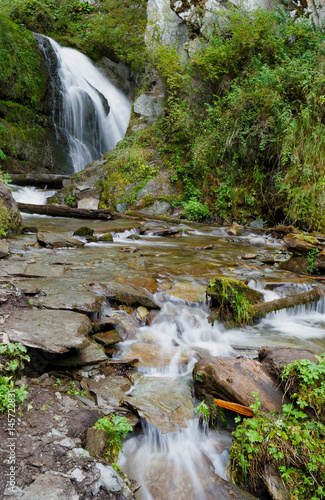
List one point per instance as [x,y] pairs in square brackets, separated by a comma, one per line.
[89,111]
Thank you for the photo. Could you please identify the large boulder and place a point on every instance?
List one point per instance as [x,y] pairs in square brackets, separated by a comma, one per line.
[274,359]
[234,380]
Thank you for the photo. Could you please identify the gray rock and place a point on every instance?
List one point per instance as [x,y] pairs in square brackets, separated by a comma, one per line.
[52,331]
[158,186]
[56,240]
[275,484]
[150,106]
[51,486]
[256,224]
[96,441]
[110,389]
[8,203]
[123,294]
[89,203]
[4,249]
[257,242]
[111,482]
[157,208]
[121,207]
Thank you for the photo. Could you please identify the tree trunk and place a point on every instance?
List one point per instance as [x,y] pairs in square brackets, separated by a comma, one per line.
[39,180]
[64,211]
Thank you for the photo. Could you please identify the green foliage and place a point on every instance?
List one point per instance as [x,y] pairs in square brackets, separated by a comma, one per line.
[70,200]
[203,410]
[310,377]
[72,389]
[2,155]
[117,428]
[6,388]
[113,28]
[292,443]
[311,261]
[195,210]
[14,355]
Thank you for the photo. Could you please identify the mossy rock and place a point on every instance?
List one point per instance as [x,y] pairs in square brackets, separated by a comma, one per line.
[106,237]
[84,231]
[10,218]
[232,301]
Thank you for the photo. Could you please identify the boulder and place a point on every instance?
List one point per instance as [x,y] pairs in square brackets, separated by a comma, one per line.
[190,292]
[123,294]
[56,240]
[4,249]
[89,203]
[150,106]
[10,218]
[300,244]
[234,380]
[52,331]
[274,359]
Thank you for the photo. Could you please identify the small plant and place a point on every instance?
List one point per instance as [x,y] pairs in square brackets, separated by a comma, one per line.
[70,200]
[204,412]
[15,356]
[6,388]
[117,428]
[311,261]
[72,389]
[195,210]
[30,303]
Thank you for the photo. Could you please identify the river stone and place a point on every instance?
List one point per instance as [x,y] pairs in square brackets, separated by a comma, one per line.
[165,403]
[110,389]
[51,331]
[123,294]
[150,355]
[88,355]
[257,242]
[234,380]
[108,338]
[57,240]
[4,249]
[50,485]
[143,283]
[190,292]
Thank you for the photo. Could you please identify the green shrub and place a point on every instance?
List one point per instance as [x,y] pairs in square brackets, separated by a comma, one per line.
[195,210]
[117,428]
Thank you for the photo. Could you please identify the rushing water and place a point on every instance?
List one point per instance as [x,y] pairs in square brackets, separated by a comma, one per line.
[92,113]
[31,195]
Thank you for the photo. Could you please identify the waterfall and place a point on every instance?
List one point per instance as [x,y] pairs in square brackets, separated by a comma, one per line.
[88,110]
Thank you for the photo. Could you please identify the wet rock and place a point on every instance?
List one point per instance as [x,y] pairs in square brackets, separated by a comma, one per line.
[123,294]
[88,355]
[143,283]
[142,313]
[165,403]
[29,230]
[96,441]
[296,264]
[275,484]
[234,230]
[150,355]
[83,231]
[52,486]
[56,240]
[106,237]
[110,390]
[52,331]
[299,244]
[257,242]
[190,292]
[4,249]
[108,338]
[234,380]
[249,256]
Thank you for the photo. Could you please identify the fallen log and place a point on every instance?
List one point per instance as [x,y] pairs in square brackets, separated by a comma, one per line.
[243,410]
[39,180]
[305,298]
[64,211]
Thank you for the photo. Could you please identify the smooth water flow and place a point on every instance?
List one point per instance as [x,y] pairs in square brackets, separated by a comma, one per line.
[31,195]
[90,111]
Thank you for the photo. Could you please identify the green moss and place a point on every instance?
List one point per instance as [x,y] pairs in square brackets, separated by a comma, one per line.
[106,237]
[9,222]
[232,301]
[22,74]
[83,231]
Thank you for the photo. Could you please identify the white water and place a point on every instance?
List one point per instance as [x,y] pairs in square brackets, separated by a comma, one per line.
[86,94]
[31,195]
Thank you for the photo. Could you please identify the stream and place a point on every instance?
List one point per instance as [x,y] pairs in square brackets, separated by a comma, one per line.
[173,457]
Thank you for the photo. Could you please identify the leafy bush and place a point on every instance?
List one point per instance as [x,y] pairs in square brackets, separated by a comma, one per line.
[14,356]
[6,388]
[195,210]
[291,442]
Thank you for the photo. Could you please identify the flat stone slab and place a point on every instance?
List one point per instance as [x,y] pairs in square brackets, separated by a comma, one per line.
[150,355]
[110,390]
[163,402]
[123,294]
[52,331]
[57,240]
[108,338]
[190,292]
[51,486]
